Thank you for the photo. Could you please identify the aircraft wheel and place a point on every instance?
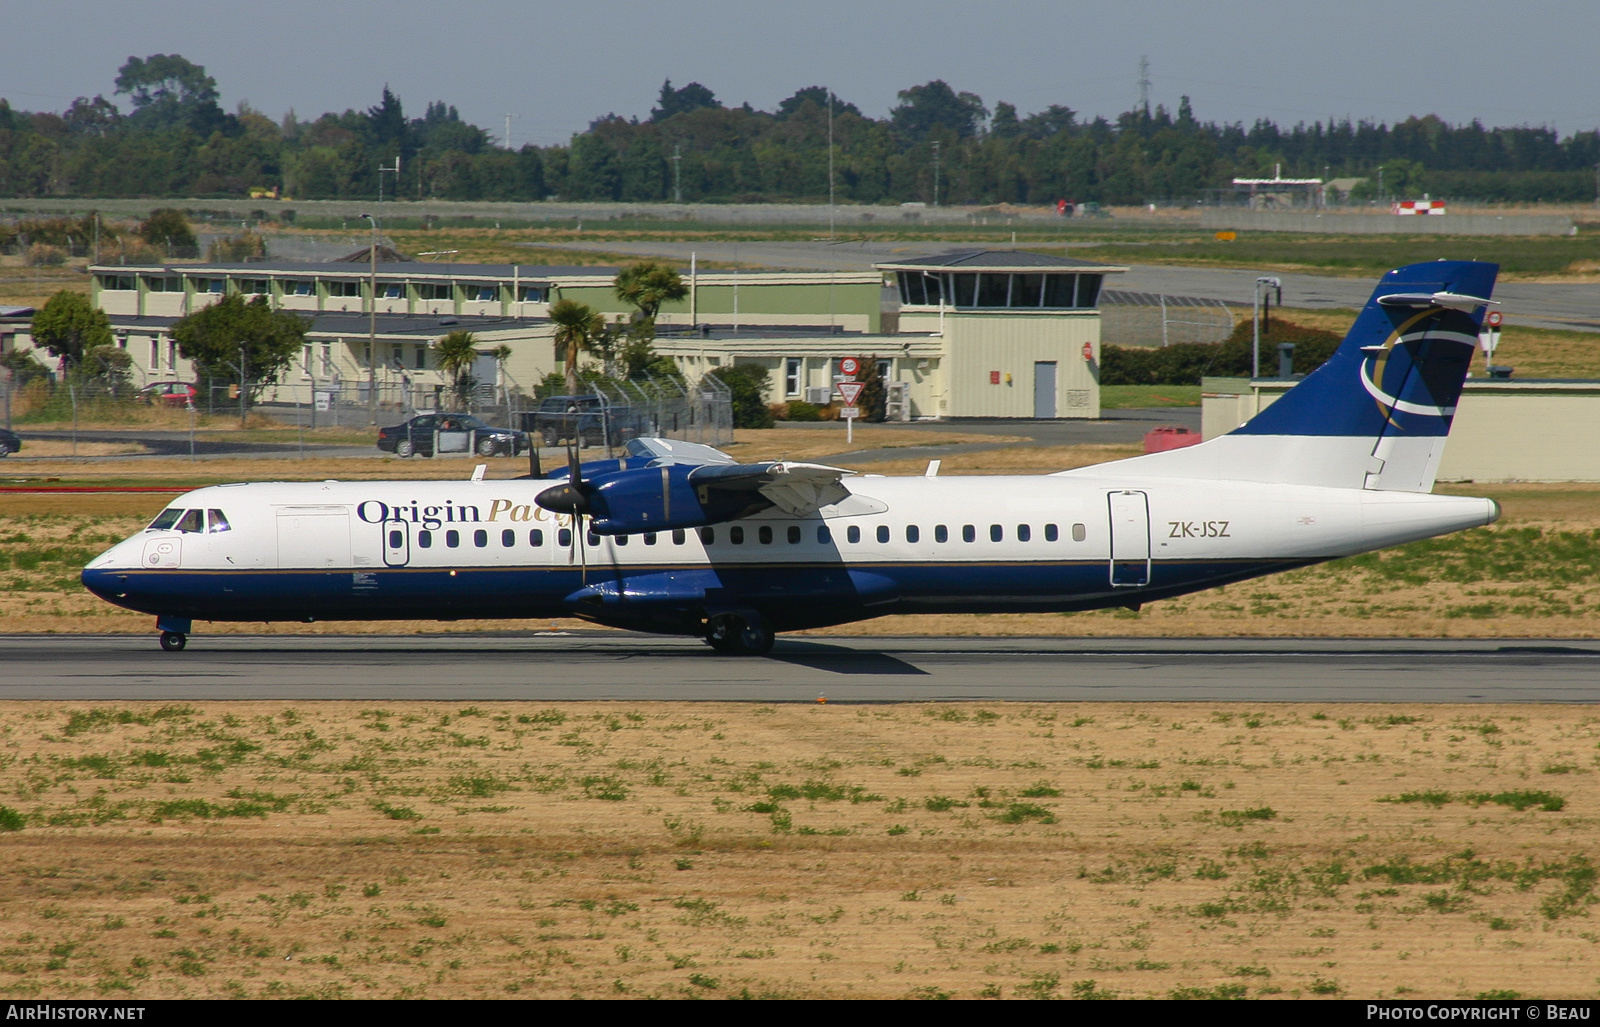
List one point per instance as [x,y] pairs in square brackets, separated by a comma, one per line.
[404,449]
[174,641]
[731,635]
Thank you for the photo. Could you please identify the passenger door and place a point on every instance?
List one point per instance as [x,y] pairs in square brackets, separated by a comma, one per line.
[314,537]
[396,543]
[1130,539]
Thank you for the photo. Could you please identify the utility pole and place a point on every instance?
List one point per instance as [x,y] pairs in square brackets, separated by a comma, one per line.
[1255,351]
[1144,85]
[677,172]
[372,323]
[831,165]
[244,382]
[936,172]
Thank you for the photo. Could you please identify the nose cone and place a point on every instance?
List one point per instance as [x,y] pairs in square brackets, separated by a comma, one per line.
[105,575]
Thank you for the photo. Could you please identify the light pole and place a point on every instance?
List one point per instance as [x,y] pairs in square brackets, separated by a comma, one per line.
[372,324]
[1255,349]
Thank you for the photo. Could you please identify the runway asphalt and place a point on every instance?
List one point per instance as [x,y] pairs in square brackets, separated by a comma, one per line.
[546,667]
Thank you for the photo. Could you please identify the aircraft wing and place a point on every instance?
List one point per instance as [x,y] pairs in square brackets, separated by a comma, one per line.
[798,489]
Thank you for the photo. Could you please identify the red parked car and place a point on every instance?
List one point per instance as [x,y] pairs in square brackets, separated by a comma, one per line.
[175,394]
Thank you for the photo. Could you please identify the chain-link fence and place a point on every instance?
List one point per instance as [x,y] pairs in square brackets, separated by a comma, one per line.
[609,412]
[1156,319]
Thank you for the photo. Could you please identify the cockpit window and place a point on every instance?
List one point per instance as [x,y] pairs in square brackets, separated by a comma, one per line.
[219,522]
[165,519]
[193,520]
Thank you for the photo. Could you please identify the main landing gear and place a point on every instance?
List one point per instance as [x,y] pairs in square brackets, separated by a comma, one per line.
[174,632]
[738,634]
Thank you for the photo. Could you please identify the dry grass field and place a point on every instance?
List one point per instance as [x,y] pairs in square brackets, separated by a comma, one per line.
[432,850]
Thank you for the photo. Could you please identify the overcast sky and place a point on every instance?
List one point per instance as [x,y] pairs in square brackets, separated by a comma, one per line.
[559,65]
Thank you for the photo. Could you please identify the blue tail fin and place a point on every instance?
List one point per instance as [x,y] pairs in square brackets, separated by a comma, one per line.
[1377,413]
[1402,365]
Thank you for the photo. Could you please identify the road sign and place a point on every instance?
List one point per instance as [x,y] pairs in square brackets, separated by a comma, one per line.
[851,391]
[850,413]
[849,366]
[1493,319]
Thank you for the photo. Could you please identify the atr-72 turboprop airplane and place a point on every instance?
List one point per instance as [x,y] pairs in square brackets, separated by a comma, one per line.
[680,538]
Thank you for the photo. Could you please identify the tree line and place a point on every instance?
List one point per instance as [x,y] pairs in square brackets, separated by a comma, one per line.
[937,145]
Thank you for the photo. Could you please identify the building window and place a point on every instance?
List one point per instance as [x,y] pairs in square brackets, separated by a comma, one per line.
[434,291]
[155,354]
[534,293]
[172,355]
[255,286]
[392,290]
[791,376]
[327,360]
[422,358]
[1000,290]
[306,359]
[343,289]
[302,288]
[163,285]
[118,283]
[483,293]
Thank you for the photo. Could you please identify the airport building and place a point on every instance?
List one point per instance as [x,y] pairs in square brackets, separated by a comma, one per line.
[970,334]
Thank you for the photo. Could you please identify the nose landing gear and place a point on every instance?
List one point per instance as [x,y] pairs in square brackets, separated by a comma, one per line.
[174,632]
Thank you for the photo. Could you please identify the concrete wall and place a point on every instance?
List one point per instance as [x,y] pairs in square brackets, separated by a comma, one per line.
[1337,223]
[977,345]
[1512,430]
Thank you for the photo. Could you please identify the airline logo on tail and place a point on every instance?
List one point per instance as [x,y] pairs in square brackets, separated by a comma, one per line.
[1376,360]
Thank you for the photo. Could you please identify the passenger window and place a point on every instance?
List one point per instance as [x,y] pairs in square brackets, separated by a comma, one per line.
[535,537]
[1050,533]
[165,519]
[912,534]
[564,538]
[508,538]
[794,534]
[852,534]
[1079,533]
[649,538]
[678,537]
[941,533]
[594,540]
[736,535]
[622,540]
[452,538]
[193,520]
[996,533]
[969,533]
[425,539]
[480,538]
[1024,533]
[883,533]
[219,522]
[824,536]
[708,536]
[397,539]
[765,533]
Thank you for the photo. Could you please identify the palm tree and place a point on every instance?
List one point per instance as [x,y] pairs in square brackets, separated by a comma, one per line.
[577,327]
[649,284]
[457,351]
[501,354]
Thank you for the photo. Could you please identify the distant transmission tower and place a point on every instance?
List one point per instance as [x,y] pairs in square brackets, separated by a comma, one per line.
[1144,85]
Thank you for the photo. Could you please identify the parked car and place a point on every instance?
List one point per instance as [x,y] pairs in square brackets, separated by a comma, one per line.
[451,433]
[175,394]
[584,418]
[10,442]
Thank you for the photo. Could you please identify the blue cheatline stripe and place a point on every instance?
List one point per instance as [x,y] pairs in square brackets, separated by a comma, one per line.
[817,593]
